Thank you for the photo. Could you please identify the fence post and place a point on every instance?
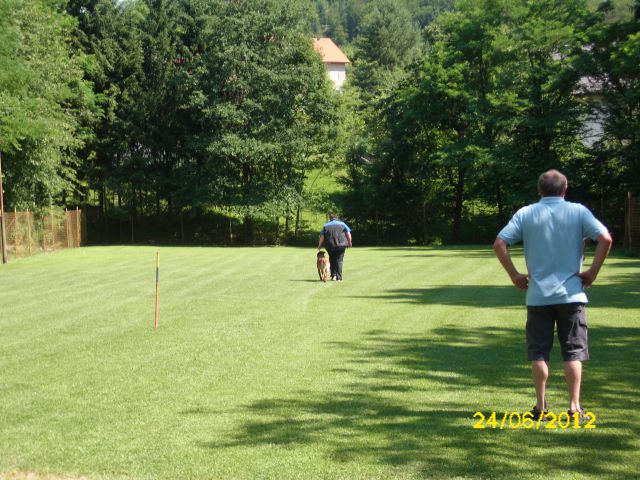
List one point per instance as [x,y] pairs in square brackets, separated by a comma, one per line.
[3,237]
[29,232]
[15,230]
[66,226]
[43,234]
[78,226]
[53,231]
[83,225]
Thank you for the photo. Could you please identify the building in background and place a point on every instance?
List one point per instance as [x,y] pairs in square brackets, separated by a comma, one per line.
[335,61]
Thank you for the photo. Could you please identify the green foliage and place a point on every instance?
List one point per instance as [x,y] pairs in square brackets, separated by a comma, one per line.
[614,63]
[388,41]
[44,104]
[343,20]
[259,142]
[194,113]
[491,106]
[151,107]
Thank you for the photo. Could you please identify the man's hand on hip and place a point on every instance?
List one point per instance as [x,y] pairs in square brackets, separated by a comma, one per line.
[602,250]
[587,278]
[521,281]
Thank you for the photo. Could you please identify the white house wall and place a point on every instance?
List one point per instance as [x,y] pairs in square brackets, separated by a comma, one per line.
[337,74]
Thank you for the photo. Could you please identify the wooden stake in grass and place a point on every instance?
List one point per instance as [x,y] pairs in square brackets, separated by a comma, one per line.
[155,323]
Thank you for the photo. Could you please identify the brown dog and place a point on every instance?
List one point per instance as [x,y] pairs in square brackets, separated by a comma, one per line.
[324,269]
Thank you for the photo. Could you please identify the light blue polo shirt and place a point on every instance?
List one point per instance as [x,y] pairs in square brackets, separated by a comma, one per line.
[553,231]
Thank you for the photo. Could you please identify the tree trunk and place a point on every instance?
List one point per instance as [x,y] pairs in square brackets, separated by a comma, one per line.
[134,202]
[424,223]
[181,225]
[248,228]
[457,213]
[500,203]
[120,221]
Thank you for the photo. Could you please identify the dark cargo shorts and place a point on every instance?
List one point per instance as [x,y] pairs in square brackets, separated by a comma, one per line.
[572,331]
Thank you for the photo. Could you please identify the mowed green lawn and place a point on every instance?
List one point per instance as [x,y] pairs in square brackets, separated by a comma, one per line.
[258,370]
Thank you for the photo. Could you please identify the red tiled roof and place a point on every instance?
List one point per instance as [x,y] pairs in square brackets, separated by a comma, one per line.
[329,51]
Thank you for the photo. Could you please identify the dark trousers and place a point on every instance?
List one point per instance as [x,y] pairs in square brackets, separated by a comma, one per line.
[335,259]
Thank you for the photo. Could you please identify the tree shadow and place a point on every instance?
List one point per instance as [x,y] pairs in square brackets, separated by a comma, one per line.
[466,251]
[481,296]
[621,292]
[622,263]
[368,419]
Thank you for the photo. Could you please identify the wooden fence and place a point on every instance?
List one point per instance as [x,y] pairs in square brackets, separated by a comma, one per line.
[28,234]
[632,225]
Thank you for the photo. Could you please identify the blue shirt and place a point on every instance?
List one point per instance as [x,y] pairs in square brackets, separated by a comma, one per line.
[334,233]
[553,231]
[339,223]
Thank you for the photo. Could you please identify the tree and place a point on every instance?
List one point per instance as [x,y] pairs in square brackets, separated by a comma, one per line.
[388,41]
[264,103]
[615,70]
[490,107]
[43,104]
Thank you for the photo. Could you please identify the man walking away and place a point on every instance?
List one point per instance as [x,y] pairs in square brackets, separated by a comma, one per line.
[336,237]
[553,231]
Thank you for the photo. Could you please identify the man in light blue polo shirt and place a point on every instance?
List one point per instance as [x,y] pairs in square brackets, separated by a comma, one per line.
[553,231]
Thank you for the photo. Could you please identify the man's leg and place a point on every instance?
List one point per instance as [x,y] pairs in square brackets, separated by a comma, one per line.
[540,369]
[573,375]
[540,326]
[333,262]
[339,255]
[574,343]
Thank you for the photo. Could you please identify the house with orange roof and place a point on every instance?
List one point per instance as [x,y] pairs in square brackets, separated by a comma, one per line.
[333,58]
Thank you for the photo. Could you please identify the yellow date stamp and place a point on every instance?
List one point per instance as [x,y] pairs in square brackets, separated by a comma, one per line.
[550,421]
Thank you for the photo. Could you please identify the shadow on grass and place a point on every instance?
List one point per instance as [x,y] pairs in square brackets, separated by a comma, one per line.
[482,296]
[621,262]
[369,417]
[466,251]
[623,291]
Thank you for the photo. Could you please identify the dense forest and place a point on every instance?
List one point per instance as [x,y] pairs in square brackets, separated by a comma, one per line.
[202,120]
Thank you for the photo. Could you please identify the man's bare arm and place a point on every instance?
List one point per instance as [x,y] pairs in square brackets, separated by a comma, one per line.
[502,252]
[602,251]
[349,240]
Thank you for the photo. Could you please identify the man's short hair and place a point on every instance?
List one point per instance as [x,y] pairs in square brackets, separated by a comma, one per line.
[332,216]
[552,184]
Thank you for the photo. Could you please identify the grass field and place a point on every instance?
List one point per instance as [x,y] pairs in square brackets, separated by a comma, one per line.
[258,370]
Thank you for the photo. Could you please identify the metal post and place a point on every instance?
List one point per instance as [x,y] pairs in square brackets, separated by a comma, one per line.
[3,240]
